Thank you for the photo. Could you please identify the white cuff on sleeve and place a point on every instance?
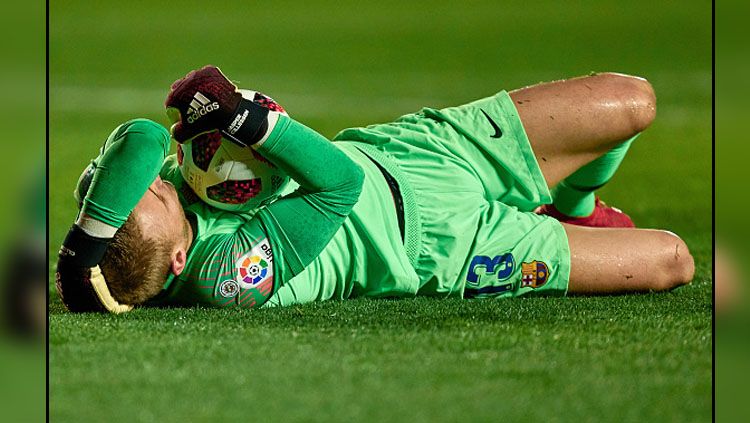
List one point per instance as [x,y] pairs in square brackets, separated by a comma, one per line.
[94,227]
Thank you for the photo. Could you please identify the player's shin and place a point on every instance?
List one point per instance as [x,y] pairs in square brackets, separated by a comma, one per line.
[574,196]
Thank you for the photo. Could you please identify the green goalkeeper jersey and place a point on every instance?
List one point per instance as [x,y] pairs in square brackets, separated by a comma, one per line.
[235,259]
[231,263]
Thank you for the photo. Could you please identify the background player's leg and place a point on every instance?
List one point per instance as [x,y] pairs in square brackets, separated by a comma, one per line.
[571,123]
[612,260]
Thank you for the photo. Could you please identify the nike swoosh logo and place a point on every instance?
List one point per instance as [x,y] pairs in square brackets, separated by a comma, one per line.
[498,133]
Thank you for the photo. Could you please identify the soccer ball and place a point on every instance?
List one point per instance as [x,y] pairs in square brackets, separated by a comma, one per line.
[227,176]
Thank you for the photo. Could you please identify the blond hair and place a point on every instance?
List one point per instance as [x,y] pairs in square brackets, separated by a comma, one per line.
[134,266]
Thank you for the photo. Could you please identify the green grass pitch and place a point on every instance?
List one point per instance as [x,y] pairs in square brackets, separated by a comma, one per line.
[340,64]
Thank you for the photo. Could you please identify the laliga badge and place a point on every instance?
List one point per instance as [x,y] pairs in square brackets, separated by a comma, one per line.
[255,267]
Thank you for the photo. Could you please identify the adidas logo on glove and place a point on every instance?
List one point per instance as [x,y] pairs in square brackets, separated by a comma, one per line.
[200,106]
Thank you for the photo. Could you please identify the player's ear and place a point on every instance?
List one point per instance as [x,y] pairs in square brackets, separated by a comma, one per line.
[179,258]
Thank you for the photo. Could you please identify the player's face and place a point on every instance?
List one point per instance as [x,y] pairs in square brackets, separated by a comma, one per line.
[160,215]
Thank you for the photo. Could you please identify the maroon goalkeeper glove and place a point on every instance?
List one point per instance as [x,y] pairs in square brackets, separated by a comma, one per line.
[205,100]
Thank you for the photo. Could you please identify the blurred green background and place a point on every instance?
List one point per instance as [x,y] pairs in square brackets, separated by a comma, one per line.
[22,215]
[339,64]
[732,343]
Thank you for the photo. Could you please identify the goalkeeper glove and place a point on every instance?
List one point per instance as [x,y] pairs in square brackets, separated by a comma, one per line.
[205,100]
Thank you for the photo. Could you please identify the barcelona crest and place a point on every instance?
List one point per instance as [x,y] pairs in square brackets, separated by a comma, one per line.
[534,274]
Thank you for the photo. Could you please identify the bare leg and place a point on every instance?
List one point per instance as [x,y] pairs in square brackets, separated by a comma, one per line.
[572,122]
[609,261]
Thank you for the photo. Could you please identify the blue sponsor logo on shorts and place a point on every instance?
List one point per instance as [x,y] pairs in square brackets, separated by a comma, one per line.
[501,266]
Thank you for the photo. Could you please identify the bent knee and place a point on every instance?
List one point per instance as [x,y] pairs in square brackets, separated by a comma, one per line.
[676,265]
[636,98]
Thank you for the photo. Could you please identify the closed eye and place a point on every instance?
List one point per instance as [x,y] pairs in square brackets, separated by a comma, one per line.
[157,194]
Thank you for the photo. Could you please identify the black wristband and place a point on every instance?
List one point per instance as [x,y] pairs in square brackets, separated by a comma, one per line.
[248,124]
[82,249]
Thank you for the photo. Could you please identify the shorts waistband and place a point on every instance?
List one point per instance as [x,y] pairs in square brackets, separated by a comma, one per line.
[412,233]
[398,199]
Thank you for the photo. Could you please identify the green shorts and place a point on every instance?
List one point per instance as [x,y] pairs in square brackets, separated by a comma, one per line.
[470,182]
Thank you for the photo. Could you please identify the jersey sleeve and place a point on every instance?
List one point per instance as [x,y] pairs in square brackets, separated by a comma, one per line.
[127,165]
[301,224]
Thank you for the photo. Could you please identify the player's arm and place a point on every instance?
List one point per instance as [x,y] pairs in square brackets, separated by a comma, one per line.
[108,191]
[127,165]
[302,224]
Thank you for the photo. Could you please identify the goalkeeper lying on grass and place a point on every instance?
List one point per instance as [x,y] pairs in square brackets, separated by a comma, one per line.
[489,199]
